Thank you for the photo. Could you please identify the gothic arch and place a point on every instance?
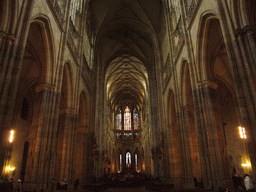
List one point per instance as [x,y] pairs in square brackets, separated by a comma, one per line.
[29,111]
[119,162]
[83,110]
[47,34]
[222,93]
[186,84]
[137,152]
[67,86]
[202,71]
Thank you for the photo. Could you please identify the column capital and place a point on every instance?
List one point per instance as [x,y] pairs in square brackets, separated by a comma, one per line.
[208,83]
[243,31]
[9,37]
[43,87]
[188,108]
[65,111]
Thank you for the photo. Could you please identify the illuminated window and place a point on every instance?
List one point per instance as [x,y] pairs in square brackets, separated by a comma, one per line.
[120,158]
[242,132]
[136,121]
[136,162]
[127,119]
[175,7]
[75,8]
[128,159]
[119,120]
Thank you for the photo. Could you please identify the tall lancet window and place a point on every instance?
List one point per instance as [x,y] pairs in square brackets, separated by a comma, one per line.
[75,9]
[136,162]
[120,162]
[119,120]
[128,159]
[136,121]
[176,8]
[127,119]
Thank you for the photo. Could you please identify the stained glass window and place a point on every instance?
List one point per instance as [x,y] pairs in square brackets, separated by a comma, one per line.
[128,159]
[127,119]
[119,120]
[136,121]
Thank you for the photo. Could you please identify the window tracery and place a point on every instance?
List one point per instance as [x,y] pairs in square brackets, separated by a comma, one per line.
[127,124]
[128,159]
[119,120]
[136,122]
[127,119]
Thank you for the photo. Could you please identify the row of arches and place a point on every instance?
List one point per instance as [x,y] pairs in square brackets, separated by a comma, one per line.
[46,136]
[207,100]
[42,92]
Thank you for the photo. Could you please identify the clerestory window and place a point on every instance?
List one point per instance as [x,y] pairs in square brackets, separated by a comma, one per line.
[75,9]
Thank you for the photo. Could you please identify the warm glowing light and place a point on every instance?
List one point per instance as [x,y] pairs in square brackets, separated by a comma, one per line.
[242,132]
[246,165]
[11,136]
[10,168]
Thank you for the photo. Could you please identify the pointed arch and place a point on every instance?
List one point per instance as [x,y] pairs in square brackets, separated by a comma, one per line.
[33,91]
[119,162]
[216,65]
[67,85]
[205,19]
[47,35]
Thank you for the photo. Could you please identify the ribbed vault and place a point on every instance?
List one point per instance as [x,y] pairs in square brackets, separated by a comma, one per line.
[126,78]
[126,34]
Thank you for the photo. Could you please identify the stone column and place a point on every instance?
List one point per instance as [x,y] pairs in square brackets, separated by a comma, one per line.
[12,51]
[66,116]
[7,42]
[188,166]
[213,134]
[206,166]
[242,64]
[39,137]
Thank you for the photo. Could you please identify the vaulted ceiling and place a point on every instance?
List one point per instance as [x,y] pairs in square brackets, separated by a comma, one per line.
[126,35]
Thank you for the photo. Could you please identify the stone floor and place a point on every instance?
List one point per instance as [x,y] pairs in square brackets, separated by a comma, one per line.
[127,189]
